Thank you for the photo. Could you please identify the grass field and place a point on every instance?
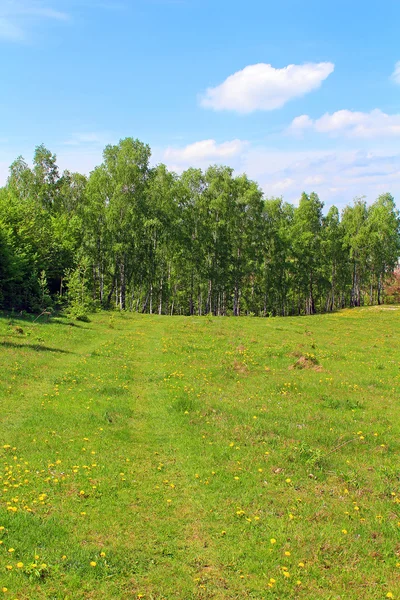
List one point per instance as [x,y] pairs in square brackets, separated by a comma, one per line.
[197,458]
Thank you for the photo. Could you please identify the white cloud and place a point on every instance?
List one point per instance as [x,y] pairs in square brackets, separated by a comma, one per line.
[262,87]
[17,17]
[337,175]
[203,152]
[280,185]
[396,73]
[350,124]
[299,124]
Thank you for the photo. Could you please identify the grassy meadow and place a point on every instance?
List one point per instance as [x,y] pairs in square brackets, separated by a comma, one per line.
[200,458]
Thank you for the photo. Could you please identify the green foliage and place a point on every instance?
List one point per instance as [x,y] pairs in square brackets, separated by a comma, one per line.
[78,297]
[45,300]
[147,240]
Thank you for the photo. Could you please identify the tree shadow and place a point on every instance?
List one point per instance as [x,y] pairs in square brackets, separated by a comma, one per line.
[58,321]
[36,347]
[31,319]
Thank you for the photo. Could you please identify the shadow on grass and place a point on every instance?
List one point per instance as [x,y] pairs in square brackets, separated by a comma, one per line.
[36,347]
[58,321]
[32,318]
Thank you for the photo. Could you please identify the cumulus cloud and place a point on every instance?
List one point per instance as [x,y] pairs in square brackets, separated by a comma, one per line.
[262,87]
[300,124]
[205,151]
[336,175]
[351,124]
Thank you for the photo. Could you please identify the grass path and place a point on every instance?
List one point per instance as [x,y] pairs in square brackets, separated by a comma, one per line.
[176,458]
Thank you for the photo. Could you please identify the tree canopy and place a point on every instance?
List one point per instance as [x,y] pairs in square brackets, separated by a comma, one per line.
[143,238]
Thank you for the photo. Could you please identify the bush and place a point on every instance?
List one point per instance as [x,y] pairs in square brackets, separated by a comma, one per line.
[78,296]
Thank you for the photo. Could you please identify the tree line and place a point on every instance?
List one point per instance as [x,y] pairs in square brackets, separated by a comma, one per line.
[142,238]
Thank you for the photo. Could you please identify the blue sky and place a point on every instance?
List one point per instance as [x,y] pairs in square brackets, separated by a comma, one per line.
[300,95]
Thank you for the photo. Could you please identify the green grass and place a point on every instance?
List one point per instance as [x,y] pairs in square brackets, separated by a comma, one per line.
[199,458]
